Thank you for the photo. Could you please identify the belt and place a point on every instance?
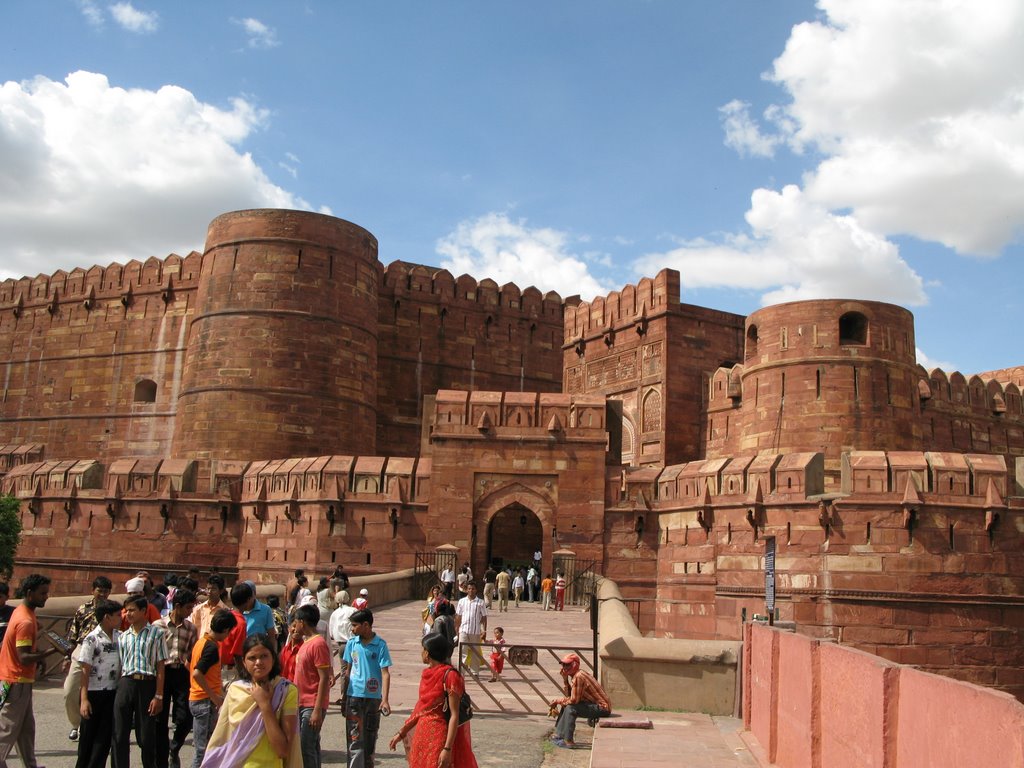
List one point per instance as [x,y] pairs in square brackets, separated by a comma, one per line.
[138,676]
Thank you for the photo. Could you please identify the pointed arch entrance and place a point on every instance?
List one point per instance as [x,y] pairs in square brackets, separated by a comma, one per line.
[513,535]
[517,520]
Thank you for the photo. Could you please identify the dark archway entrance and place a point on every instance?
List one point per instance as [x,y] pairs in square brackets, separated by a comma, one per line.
[513,535]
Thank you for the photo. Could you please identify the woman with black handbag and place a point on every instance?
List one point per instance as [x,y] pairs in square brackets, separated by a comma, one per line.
[440,740]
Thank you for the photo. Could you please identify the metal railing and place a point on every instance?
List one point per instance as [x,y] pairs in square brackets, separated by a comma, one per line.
[427,570]
[532,676]
[60,625]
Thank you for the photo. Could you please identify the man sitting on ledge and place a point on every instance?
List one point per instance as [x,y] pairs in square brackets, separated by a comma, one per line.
[584,697]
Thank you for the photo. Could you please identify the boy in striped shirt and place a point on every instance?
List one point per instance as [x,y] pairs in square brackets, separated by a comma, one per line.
[140,690]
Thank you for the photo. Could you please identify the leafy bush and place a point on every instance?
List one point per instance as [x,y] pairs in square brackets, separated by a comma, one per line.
[10,534]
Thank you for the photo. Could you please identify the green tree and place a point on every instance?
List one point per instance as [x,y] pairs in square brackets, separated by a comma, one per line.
[10,534]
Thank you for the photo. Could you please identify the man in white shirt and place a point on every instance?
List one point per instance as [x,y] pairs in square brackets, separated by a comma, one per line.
[471,624]
[339,628]
[448,581]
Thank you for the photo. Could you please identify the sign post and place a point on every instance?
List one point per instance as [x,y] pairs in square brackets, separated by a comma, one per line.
[769,578]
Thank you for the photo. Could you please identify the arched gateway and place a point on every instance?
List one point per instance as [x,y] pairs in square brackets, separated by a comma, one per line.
[513,535]
[517,520]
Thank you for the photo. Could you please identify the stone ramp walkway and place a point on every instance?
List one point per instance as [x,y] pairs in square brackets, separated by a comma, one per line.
[401,627]
[679,740]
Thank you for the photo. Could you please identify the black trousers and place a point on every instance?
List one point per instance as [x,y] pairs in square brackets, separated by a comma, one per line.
[96,732]
[175,711]
[131,712]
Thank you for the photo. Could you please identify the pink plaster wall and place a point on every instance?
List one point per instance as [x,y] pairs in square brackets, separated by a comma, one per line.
[762,651]
[813,703]
[945,722]
[798,720]
[854,727]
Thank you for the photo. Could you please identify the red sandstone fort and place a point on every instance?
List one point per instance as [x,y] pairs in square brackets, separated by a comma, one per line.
[283,399]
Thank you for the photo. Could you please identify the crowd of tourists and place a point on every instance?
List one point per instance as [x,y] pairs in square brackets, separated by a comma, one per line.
[250,680]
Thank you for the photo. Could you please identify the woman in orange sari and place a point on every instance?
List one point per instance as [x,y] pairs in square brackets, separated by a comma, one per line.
[438,742]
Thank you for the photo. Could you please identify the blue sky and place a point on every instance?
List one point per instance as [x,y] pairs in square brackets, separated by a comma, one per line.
[770,151]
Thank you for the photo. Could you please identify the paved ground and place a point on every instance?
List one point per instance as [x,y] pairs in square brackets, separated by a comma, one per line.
[501,739]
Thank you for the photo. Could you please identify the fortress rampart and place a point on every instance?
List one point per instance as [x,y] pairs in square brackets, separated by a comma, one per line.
[917,560]
[839,376]
[284,400]
[640,347]
[91,359]
[286,326]
[438,332]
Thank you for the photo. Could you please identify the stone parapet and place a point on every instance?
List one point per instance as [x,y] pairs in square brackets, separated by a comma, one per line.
[660,673]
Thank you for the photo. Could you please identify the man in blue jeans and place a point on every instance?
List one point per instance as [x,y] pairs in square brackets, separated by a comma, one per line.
[365,666]
[584,697]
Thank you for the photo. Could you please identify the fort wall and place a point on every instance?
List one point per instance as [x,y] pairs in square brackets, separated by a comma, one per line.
[287,325]
[438,332]
[918,561]
[641,347]
[271,401]
[91,360]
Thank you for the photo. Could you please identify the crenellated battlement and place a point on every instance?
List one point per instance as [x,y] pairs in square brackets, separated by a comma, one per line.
[914,474]
[16,454]
[783,476]
[337,479]
[940,477]
[1014,375]
[983,394]
[935,389]
[520,414]
[115,281]
[402,281]
[623,308]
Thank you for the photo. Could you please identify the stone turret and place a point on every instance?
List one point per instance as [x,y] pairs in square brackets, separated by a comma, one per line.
[282,350]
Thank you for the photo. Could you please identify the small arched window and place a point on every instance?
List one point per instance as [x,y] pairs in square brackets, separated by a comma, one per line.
[853,329]
[751,342]
[145,391]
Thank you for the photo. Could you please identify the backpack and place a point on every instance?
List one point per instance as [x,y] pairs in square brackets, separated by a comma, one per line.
[465,703]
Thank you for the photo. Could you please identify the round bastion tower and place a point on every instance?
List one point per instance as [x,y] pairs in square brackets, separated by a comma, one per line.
[281,355]
[830,376]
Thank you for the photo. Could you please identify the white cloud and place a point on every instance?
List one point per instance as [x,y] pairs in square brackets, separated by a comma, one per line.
[259,34]
[91,174]
[92,12]
[796,250]
[134,20]
[918,109]
[507,250]
[743,134]
[930,365]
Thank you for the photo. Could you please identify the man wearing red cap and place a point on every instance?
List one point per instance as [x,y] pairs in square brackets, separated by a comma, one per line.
[584,697]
